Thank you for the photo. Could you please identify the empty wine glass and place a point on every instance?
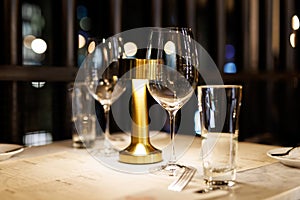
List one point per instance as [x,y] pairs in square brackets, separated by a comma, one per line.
[174,81]
[102,75]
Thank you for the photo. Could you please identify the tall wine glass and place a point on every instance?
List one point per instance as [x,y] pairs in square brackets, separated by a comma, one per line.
[102,75]
[174,81]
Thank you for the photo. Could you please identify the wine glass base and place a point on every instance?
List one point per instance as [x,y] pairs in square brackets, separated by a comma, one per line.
[105,152]
[103,148]
[109,151]
[170,169]
[116,138]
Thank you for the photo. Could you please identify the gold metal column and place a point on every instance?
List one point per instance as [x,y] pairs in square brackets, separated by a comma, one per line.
[140,150]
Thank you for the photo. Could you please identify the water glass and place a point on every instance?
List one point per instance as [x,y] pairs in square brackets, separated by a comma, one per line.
[219,107]
[83,118]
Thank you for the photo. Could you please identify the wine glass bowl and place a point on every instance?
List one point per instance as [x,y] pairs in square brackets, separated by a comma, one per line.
[175,79]
[102,80]
[171,90]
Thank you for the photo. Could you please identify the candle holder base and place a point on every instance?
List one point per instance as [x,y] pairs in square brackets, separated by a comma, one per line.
[140,154]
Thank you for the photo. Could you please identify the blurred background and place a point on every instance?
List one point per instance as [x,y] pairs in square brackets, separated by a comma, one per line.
[253,42]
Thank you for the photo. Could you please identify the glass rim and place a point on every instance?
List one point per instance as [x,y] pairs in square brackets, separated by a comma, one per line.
[220,86]
[171,29]
[177,28]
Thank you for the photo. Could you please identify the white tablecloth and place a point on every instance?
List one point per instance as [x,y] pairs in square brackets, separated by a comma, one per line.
[58,171]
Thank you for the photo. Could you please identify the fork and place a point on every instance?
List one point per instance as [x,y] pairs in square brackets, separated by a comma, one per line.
[180,183]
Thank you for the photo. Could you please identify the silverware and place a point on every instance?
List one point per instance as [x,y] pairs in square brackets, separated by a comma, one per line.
[284,153]
[180,183]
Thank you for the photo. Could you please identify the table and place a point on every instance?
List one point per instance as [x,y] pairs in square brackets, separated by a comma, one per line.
[58,171]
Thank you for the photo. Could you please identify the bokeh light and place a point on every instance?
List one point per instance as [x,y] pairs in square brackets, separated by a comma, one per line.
[295,22]
[85,23]
[229,51]
[33,27]
[28,40]
[230,68]
[169,47]
[81,12]
[130,49]
[91,47]
[81,41]
[293,40]
[39,46]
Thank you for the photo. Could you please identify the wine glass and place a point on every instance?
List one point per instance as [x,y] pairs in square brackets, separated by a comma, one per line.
[174,81]
[102,76]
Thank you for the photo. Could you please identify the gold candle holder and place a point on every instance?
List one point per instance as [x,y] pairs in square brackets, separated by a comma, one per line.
[140,150]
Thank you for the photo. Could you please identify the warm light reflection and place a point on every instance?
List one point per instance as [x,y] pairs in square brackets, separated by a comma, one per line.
[293,40]
[105,54]
[28,40]
[140,150]
[130,49]
[91,47]
[81,41]
[39,46]
[295,22]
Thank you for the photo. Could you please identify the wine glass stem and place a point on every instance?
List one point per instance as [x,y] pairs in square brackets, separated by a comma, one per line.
[106,115]
[172,115]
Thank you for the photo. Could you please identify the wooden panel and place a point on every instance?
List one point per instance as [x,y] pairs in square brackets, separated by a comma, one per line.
[34,73]
[70,33]
[191,14]
[13,56]
[12,32]
[265,33]
[286,51]
[254,36]
[245,6]
[220,33]
[156,13]
[116,16]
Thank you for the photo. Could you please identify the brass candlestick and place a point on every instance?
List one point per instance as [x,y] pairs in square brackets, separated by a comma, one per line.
[140,150]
